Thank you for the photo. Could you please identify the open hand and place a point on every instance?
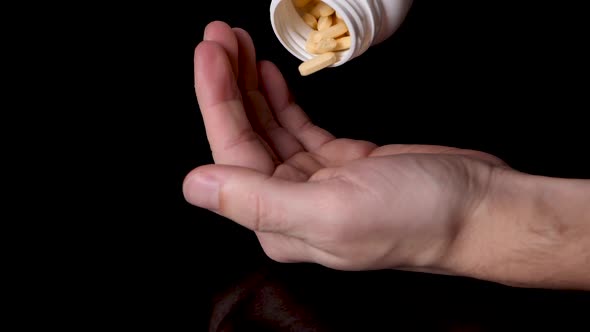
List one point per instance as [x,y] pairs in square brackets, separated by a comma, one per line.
[311,197]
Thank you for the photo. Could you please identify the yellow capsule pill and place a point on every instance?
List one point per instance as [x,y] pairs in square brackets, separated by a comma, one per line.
[322,46]
[317,63]
[342,43]
[310,20]
[334,31]
[324,22]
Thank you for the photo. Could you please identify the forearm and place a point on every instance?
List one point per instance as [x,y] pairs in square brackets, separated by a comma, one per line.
[528,231]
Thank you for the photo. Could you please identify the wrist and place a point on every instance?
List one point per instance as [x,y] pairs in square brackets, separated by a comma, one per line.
[526,231]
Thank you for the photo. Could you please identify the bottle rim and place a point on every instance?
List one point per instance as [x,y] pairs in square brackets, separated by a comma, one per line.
[292,32]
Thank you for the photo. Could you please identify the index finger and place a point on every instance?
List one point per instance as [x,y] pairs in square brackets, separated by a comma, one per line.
[232,138]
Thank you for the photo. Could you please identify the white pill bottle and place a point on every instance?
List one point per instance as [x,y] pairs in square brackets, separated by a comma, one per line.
[369,23]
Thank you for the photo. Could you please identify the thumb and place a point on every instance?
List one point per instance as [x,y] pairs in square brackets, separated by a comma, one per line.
[257,201]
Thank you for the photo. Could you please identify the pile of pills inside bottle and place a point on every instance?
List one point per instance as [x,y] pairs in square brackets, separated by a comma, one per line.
[329,36]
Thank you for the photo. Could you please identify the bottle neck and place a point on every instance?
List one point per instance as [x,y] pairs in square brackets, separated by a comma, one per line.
[362,17]
[373,21]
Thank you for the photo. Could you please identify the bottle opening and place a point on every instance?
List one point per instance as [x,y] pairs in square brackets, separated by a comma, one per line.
[293,32]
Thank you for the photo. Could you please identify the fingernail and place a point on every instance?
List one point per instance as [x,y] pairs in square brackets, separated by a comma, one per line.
[202,190]
[205,34]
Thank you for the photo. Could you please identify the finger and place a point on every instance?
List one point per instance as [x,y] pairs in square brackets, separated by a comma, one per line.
[289,115]
[248,77]
[221,33]
[259,113]
[232,139]
[342,151]
[262,203]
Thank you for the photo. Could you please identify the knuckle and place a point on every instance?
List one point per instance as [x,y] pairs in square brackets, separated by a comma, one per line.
[267,217]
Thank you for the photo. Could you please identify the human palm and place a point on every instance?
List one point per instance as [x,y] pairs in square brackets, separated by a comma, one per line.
[309,196]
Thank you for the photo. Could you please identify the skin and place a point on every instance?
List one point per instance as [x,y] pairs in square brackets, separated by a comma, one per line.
[353,205]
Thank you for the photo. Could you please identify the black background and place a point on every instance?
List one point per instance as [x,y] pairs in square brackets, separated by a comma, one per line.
[509,78]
